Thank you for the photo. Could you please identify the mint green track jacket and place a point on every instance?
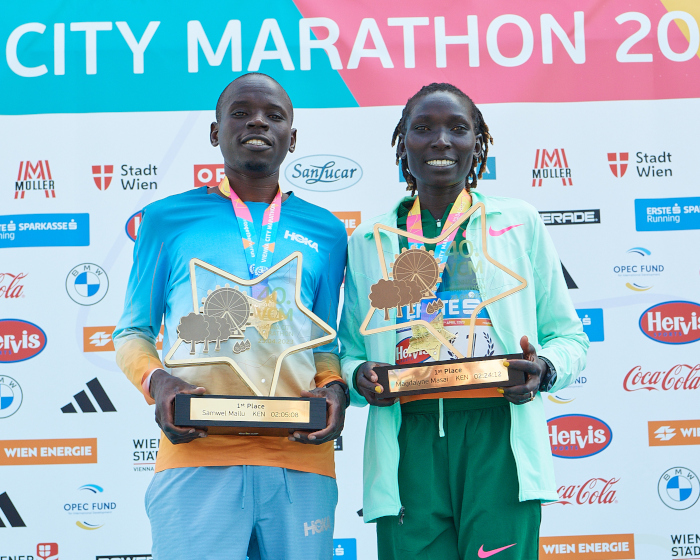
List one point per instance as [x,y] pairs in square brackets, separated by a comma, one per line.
[543,311]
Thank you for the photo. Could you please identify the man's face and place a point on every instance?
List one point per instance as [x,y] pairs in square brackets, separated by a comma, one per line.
[255,130]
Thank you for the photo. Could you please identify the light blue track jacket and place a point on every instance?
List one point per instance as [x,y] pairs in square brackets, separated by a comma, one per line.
[543,311]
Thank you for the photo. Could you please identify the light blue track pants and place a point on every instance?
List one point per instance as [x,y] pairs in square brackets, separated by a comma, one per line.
[228,513]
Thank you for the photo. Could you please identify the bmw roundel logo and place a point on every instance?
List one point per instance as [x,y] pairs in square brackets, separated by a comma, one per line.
[679,488]
[87,284]
[10,396]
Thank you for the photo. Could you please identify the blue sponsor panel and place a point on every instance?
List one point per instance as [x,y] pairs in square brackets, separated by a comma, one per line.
[489,171]
[592,320]
[44,230]
[667,214]
[345,548]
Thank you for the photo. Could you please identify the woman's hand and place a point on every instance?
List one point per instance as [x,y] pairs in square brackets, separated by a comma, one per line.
[533,367]
[367,386]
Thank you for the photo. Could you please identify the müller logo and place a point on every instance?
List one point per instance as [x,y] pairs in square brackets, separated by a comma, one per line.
[681,377]
[671,322]
[551,165]
[34,177]
[595,491]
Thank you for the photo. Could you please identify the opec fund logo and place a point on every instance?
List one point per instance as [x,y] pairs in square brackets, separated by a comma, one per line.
[90,502]
[575,436]
[324,173]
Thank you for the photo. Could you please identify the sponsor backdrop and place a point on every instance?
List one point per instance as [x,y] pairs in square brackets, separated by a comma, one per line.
[593,106]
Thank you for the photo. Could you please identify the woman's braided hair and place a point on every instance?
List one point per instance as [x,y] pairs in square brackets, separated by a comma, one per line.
[480,127]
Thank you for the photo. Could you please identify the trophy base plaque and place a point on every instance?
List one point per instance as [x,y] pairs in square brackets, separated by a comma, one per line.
[250,416]
[448,375]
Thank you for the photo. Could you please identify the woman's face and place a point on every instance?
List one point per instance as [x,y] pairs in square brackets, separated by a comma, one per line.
[440,140]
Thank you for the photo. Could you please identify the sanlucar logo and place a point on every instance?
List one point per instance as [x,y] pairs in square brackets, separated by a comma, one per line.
[20,340]
[672,322]
[324,173]
[574,436]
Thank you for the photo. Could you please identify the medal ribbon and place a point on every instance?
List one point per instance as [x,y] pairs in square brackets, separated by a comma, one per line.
[258,259]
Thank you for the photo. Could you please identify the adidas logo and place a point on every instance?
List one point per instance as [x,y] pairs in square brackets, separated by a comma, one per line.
[9,512]
[98,393]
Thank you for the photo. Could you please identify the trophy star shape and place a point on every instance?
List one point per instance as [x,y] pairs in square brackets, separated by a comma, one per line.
[415,273]
[231,312]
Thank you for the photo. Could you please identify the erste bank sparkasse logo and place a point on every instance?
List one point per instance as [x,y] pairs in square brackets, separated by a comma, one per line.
[574,436]
[671,322]
[102,175]
[87,284]
[667,214]
[10,396]
[20,340]
[551,165]
[618,162]
[34,177]
[592,322]
[323,173]
[44,230]
[679,488]
[133,224]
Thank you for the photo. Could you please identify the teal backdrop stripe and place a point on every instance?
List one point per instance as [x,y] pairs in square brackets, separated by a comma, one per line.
[166,84]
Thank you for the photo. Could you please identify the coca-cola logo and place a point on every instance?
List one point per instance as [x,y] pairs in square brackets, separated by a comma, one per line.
[575,436]
[20,340]
[403,356]
[595,491]
[681,377]
[11,286]
[672,322]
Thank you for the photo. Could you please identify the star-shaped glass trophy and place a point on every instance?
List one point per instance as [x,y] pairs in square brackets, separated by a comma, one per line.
[436,319]
[243,341]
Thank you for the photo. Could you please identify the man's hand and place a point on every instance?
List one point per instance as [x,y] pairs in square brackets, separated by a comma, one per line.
[164,387]
[335,416]
[534,369]
[367,384]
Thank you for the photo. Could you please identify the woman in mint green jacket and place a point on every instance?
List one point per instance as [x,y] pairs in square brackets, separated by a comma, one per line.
[459,474]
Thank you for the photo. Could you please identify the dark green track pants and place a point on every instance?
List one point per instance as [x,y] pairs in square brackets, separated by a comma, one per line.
[460,491]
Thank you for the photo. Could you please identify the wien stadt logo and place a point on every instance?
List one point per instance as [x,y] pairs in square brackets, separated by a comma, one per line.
[10,512]
[45,230]
[667,214]
[595,491]
[20,340]
[145,454]
[551,165]
[99,396]
[102,175]
[87,284]
[34,177]
[90,506]
[674,432]
[570,217]
[681,377]
[679,488]
[133,224]
[618,163]
[208,175]
[638,269]
[324,173]
[672,322]
[10,396]
[575,436]
[11,285]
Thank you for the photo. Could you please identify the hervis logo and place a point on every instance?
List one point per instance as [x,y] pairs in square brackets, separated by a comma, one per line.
[575,436]
[671,322]
[324,173]
[403,356]
[133,224]
[20,340]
